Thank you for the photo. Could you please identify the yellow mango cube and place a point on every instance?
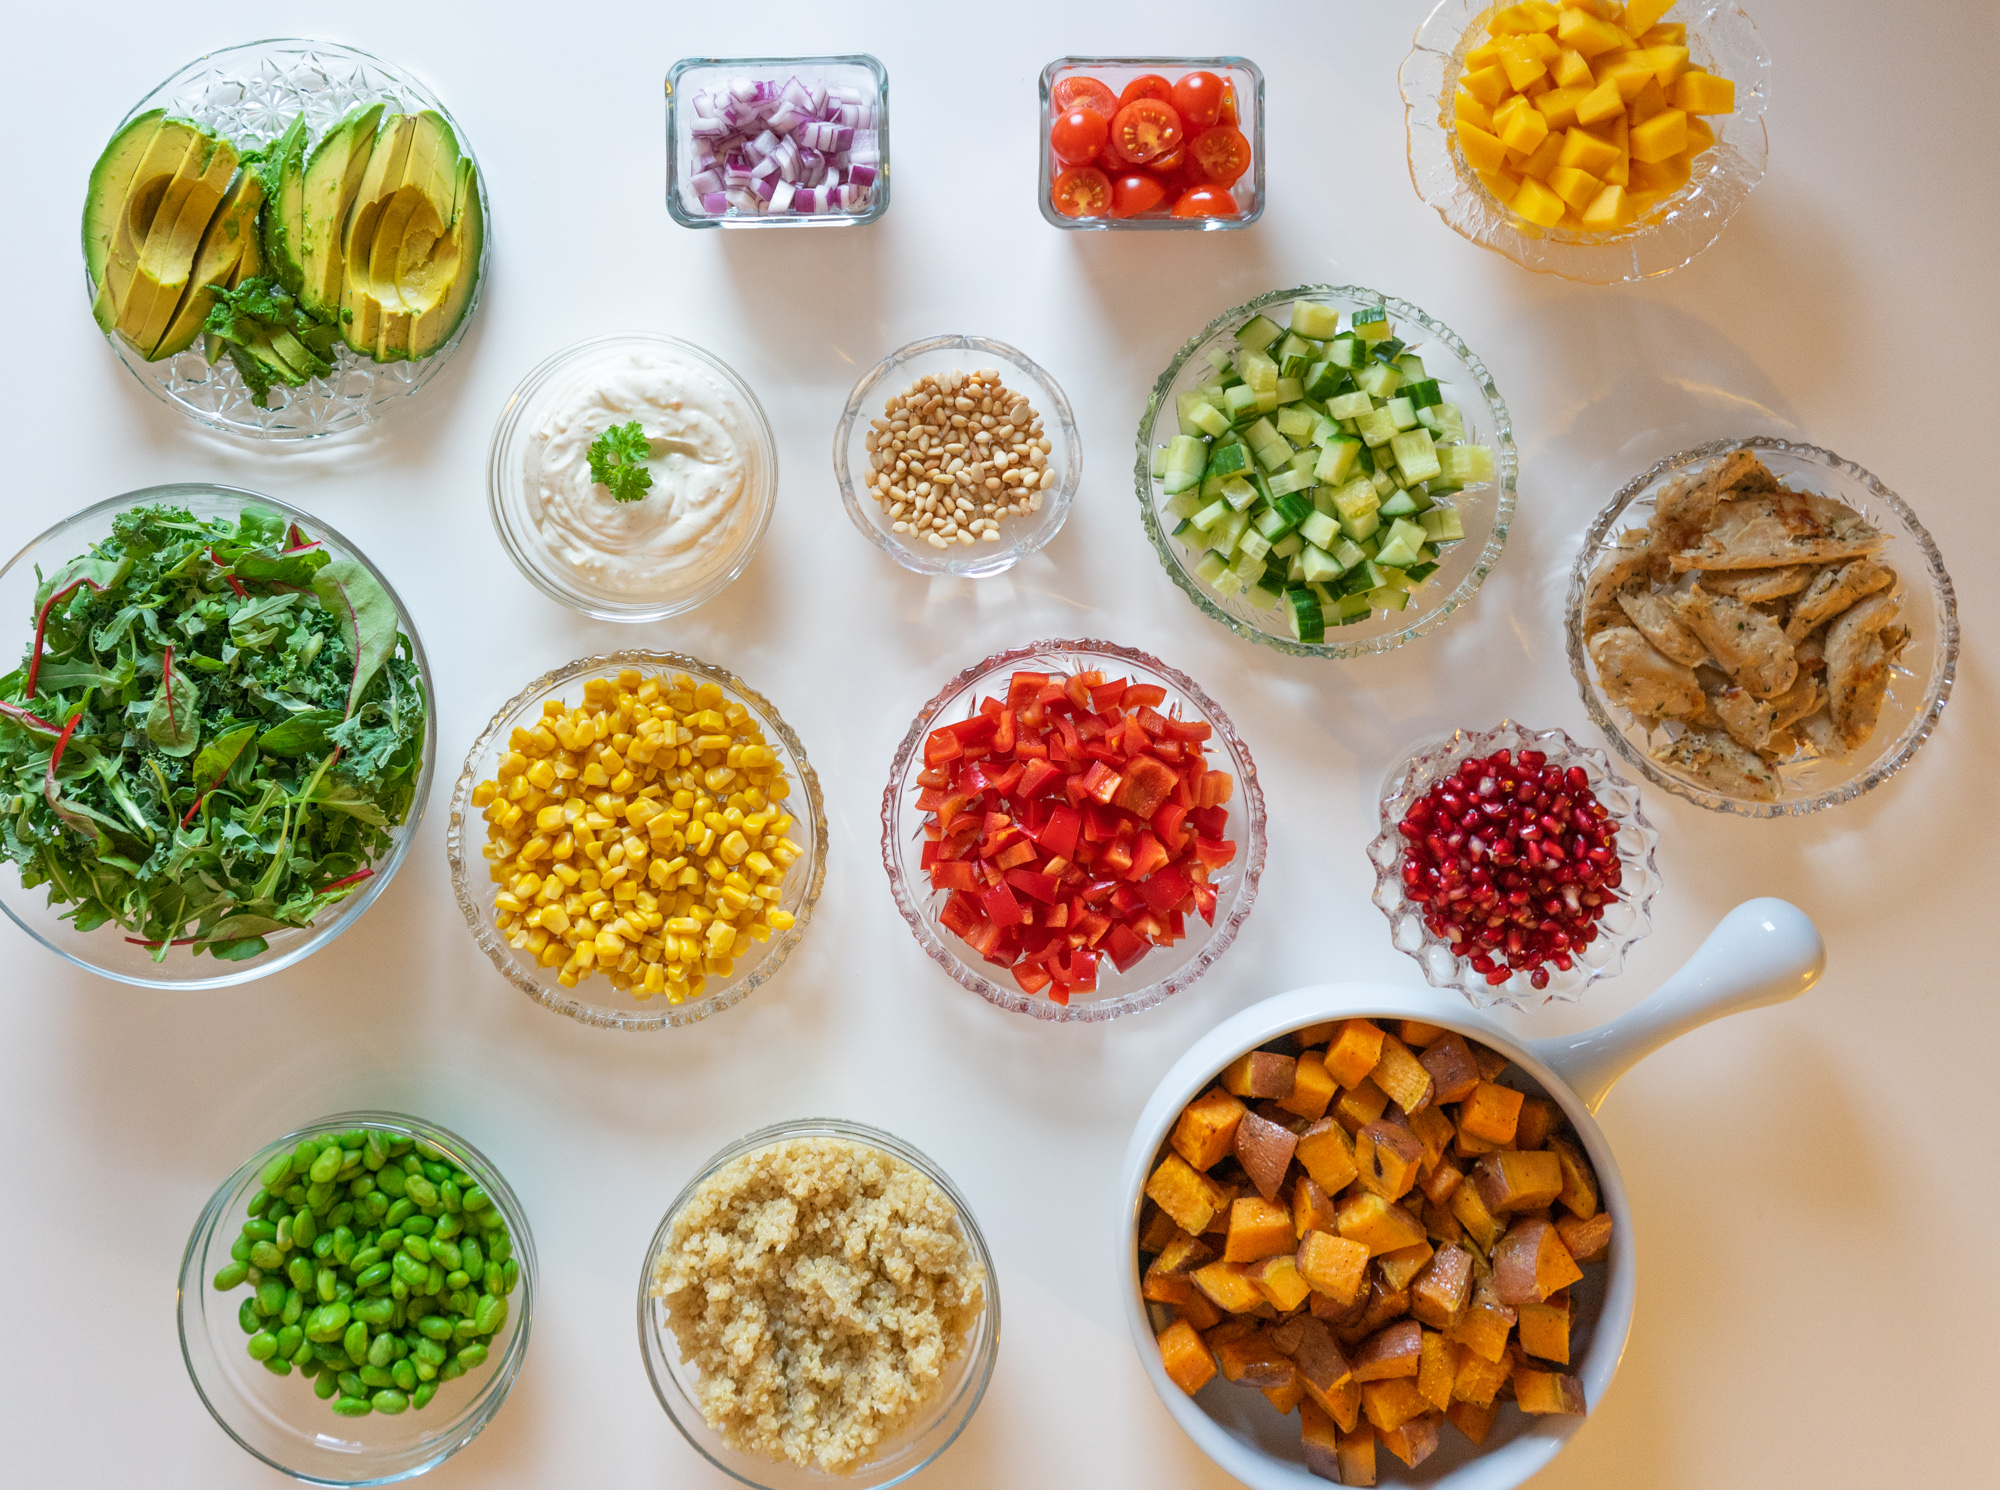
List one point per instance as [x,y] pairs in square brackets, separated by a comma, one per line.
[1524,128]
[1704,93]
[1529,15]
[1601,103]
[1639,205]
[1584,33]
[1606,211]
[1660,137]
[1470,110]
[1660,177]
[1604,10]
[1482,56]
[1541,44]
[1588,152]
[1667,62]
[1700,136]
[1484,151]
[1578,189]
[1488,85]
[1546,154]
[1621,140]
[1664,35]
[1629,75]
[1538,204]
[1558,106]
[1642,15]
[1521,65]
[1501,184]
[1648,101]
[1571,71]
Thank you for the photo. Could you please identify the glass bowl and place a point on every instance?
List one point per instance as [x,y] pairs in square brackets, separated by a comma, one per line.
[1720,37]
[105,950]
[1484,510]
[565,375]
[594,1001]
[1624,924]
[277,1418]
[1162,972]
[908,1452]
[249,94]
[1020,534]
[1246,80]
[855,70]
[1919,684]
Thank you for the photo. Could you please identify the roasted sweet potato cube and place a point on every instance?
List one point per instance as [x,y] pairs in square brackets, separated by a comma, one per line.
[1454,1073]
[1316,1034]
[1231,1329]
[1399,1269]
[1206,1131]
[1437,1369]
[1479,1380]
[1228,1286]
[1260,1073]
[1312,1207]
[1587,1241]
[1354,1052]
[1538,1120]
[1547,1392]
[1287,1333]
[1182,1255]
[1491,1113]
[1442,1290]
[1189,1362]
[1328,1155]
[1357,1455]
[1343,1403]
[1471,1212]
[1265,1151]
[1391,1351]
[1434,1129]
[1361,1105]
[1257,1229]
[1485,1325]
[1518,1180]
[1579,1182]
[1417,1034]
[1286,1397]
[1388,1157]
[1441,1182]
[1226,1197]
[1442,1226]
[1277,1278]
[1468,1146]
[1471,1419]
[1166,1288]
[1313,1088]
[1383,1307]
[1545,1328]
[1199,1310]
[1184,1193]
[1531,1262]
[1156,1228]
[1333,1265]
[1401,1075]
[1492,1064]
[1254,1360]
[1322,1444]
[1415,1441]
[1318,1356]
[1378,1223]
[1390,1404]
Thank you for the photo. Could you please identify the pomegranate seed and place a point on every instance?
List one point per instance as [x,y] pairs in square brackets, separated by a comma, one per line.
[1578,779]
[1539,977]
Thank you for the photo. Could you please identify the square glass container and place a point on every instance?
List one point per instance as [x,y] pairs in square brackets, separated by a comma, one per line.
[693,76]
[1246,82]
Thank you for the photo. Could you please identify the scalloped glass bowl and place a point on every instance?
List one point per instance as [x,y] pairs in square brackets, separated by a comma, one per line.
[964,1383]
[277,1418]
[1624,924]
[250,93]
[594,1001]
[1919,684]
[1721,37]
[560,377]
[1485,511]
[1164,971]
[105,951]
[1019,535]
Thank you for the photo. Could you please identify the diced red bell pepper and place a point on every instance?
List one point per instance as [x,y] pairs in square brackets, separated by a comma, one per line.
[1167,825]
[1026,749]
[933,776]
[1167,889]
[971,780]
[1189,729]
[1092,727]
[1057,915]
[1168,750]
[1126,947]
[1116,857]
[1000,904]
[1035,778]
[1150,720]
[955,874]
[1145,786]
[1005,782]
[1033,882]
[1176,926]
[1150,926]
[990,707]
[931,798]
[986,939]
[1101,783]
[1032,979]
[1147,855]
[1210,822]
[1126,900]
[960,915]
[941,745]
[1091,927]
[1217,787]
[1150,694]
[1024,688]
[1204,901]
[975,731]
[1106,695]
[1059,836]
[1212,853]
[1003,734]
[1021,852]
[930,856]
[1102,824]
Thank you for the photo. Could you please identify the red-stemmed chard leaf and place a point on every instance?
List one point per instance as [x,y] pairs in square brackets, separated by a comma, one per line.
[366,614]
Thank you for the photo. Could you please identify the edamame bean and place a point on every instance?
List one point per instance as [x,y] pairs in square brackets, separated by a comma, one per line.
[355,1341]
[270,1296]
[491,1314]
[411,1273]
[475,1199]
[448,1226]
[277,1365]
[451,1370]
[326,1165]
[500,1247]
[389,1400]
[392,1180]
[375,1313]
[294,1306]
[420,1189]
[284,1239]
[239,1250]
[510,1275]
[352,1385]
[265,1255]
[304,1358]
[273,1173]
[232,1276]
[418,1225]
[326,1283]
[377,1376]
[435,1327]
[421,1397]
[399,1211]
[430,1352]
[263,1345]
[328,1322]
[303,1155]
[472,1355]
[417,1247]
[260,1230]
[352,1407]
[324,1386]
[447,1253]
[304,1229]
[301,1271]
[457,1280]
[381,1350]
[377,1274]
[290,1338]
[405,1374]
[448,1194]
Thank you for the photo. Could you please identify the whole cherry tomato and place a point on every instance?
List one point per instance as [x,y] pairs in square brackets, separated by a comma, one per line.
[1145,130]
[1152,85]
[1082,191]
[1206,201]
[1198,99]
[1136,192]
[1081,92]
[1077,136]
[1219,155]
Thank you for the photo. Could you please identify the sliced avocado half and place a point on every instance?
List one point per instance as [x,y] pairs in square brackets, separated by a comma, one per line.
[332,177]
[231,236]
[283,169]
[166,261]
[464,245]
[127,188]
[405,227]
[386,164]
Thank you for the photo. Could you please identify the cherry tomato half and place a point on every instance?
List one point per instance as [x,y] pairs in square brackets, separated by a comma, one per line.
[1228,114]
[1206,201]
[1081,92]
[1136,192]
[1145,130]
[1077,136]
[1082,191]
[1219,155]
[1152,85]
[1198,99]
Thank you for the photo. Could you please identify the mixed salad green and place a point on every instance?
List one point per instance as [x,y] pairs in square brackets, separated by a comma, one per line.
[216,727]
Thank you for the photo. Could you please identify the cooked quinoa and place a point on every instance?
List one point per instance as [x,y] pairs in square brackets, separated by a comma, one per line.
[822,1289]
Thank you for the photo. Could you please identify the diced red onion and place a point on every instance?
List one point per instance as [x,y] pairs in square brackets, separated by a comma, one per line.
[764,187]
[764,146]
[862,176]
[781,199]
[789,116]
[705,182]
[715,202]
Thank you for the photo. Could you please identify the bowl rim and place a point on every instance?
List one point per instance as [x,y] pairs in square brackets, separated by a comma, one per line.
[1220,936]
[1937,692]
[983,560]
[459,833]
[403,835]
[492,1395]
[651,1333]
[503,459]
[1506,473]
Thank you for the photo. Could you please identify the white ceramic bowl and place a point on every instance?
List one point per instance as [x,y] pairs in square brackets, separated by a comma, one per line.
[1763,952]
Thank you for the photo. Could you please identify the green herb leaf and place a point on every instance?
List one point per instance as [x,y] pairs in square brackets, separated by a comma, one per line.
[366,614]
[220,756]
[173,723]
[616,462]
[302,734]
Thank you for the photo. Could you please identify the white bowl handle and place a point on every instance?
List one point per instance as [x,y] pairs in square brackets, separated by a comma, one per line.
[1764,952]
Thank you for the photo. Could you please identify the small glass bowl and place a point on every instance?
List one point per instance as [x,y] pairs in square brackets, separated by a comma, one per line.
[1721,38]
[277,1418]
[1019,535]
[249,94]
[594,1001]
[1919,683]
[1625,923]
[508,485]
[850,70]
[1163,971]
[1246,80]
[910,1451]
[1484,511]
[105,950]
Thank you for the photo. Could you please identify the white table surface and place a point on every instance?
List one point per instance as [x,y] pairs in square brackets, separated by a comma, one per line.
[1812,1183]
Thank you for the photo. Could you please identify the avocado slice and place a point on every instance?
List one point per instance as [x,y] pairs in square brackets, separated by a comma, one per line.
[111,182]
[463,246]
[386,164]
[332,177]
[230,236]
[283,169]
[407,272]
[126,190]
[167,259]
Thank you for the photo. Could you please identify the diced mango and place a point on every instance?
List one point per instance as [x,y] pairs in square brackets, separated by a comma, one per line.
[1660,138]
[1528,16]
[1578,189]
[1700,135]
[1668,63]
[1649,102]
[1571,71]
[1189,1363]
[1588,35]
[1660,177]
[1627,76]
[1520,64]
[1602,102]
[1544,159]
[1642,15]
[1666,34]
[1704,93]
[1595,154]
[1488,85]
[1521,125]
[1606,212]
[1484,151]
[1501,184]
[1469,110]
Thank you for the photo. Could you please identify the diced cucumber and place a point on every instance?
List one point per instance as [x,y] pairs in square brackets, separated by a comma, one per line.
[1422,392]
[1377,427]
[1389,597]
[1210,515]
[1349,553]
[1267,400]
[1311,319]
[1293,508]
[1319,530]
[1416,457]
[1258,333]
[1360,526]
[1416,574]
[1324,431]
[1283,483]
[1384,482]
[1402,504]
[1355,498]
[1241,400]
[1386,351]
[1159,466]
[1296,425]
[1237,492]
[1351,608]
[1336,460]
[1186,456]
[1249,567]
[1399,549]
[1317,565]
[1323,380]
[1308,620]
[1347,352]
[1258,370]
[1410,366]
[1294,345]
[1209,567]
[1349,405]
[1288,547]
[1226,460]
[1225,535]
[1403,412]
[1260,597]
[1269,522]
[1371,323]
[1290,391]
[1227,583]
[1206,419]
[1466,464]
[1379,380]
[1183,504]
[1221,361]
[1442,525]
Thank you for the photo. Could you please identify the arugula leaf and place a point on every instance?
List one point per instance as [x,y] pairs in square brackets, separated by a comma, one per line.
[367,615]
[615,461]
